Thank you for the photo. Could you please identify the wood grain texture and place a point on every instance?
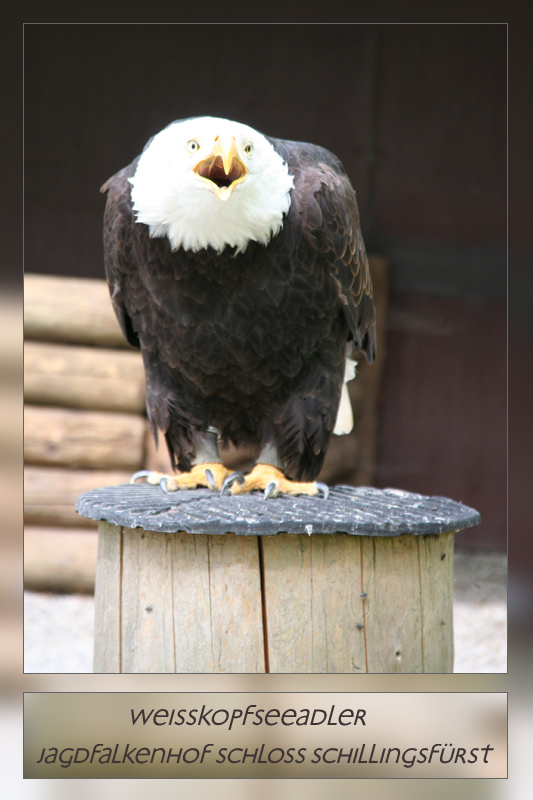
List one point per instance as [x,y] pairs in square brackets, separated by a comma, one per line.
[288,602]
[107,599]
[187,603]
[61,560]
[147,626]
[71,310]
[50,493]
[333,603]
[236,614]
[338,635]
[192,604]
[393,615]
[94,439]
[436,586]
[84,377]
[313,603]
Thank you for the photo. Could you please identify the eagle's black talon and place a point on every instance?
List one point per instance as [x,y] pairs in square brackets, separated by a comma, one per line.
[230,480]
[269,489]
[210,478]
[143,473]
[324,489]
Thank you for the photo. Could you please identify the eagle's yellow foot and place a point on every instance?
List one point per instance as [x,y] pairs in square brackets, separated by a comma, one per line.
[209,474]
[272,482]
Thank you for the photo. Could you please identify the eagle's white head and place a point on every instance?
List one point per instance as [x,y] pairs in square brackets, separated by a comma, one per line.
[209,182]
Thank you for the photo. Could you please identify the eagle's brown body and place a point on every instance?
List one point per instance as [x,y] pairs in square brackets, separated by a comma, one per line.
[252,343]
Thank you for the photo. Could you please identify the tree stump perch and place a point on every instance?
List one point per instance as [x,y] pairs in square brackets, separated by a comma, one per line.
[191,582]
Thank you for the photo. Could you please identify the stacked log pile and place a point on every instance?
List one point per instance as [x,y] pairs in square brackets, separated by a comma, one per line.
[86,426]
[85,423]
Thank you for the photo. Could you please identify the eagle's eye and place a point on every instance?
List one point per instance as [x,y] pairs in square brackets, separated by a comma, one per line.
[193,146]
[248,149]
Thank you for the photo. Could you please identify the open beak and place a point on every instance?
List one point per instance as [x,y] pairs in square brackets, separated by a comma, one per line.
[223,169]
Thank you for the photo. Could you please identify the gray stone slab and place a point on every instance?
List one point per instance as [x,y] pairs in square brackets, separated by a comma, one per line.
[359,511]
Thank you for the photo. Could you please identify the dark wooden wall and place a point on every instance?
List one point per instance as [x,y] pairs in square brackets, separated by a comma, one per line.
[443,416]
[417,113]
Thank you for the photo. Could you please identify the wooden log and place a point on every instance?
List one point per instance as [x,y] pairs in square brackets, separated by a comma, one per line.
[182,603]
[84,377]
[359,604]
[93,439]
[332,603]
[50,493]
[59,560]
[376,598]
[146,621]
[393,605]
[408,584]
[235,590]
[107,600]
[315,614]
[435,558]
[71,310]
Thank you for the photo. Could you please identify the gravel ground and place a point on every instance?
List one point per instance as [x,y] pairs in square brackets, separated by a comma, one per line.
[58,629]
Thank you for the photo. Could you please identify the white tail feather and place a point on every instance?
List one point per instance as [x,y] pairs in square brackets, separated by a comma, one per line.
[344,423]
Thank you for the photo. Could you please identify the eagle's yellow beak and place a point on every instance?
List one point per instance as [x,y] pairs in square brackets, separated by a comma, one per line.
[223,169]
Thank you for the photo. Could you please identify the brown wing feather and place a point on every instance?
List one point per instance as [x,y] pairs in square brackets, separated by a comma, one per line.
[118,245]
[324,200]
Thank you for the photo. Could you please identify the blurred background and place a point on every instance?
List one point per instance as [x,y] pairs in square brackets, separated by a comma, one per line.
[418,116]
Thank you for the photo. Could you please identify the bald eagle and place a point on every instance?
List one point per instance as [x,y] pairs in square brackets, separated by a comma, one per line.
[235,262]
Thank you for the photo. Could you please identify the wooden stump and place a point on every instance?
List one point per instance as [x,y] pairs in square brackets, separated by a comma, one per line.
[362,582]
